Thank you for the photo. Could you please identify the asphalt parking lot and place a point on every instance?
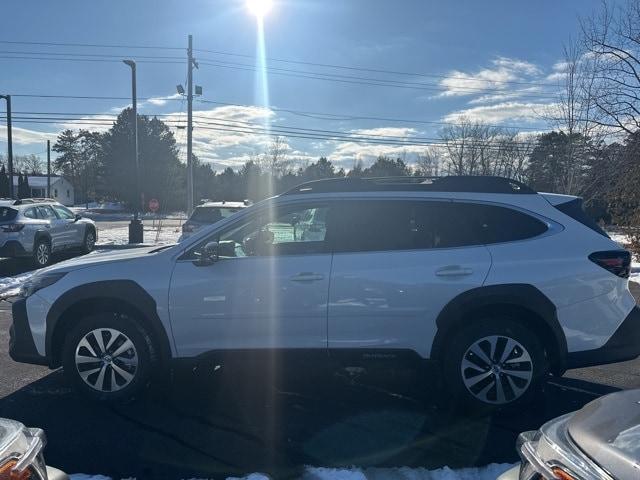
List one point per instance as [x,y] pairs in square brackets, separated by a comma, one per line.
[242,419]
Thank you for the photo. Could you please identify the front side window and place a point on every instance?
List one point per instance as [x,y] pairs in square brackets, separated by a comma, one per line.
[63,212]
[283,231]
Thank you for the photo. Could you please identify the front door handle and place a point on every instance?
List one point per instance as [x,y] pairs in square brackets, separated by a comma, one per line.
[453,271]
[307,277]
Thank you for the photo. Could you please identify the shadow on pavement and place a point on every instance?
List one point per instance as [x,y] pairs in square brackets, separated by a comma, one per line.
[234,421]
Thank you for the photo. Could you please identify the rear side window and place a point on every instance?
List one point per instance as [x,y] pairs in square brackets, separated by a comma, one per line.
[7,214]
[574,209]
[31,213]
[402,225]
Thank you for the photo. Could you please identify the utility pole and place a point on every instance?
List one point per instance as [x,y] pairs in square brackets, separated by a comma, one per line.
[136,232]
[48,168]
[9,144]
[190,64]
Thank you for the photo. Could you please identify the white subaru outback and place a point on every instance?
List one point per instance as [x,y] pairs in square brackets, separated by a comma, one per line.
[493,283]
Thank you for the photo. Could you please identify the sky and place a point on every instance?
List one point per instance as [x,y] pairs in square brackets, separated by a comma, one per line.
[385,76]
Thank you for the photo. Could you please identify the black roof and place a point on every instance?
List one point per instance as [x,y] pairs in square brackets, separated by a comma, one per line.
[461,183]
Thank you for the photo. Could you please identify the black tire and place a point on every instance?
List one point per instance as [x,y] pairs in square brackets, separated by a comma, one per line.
[142,354]
[89,240]
[41,253]
[473,382]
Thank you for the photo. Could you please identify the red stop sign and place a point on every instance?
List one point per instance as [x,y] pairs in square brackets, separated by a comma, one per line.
[154,205]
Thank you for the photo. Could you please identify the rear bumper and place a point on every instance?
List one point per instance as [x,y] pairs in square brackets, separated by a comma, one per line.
[623,345]
[12,248]
[21,345]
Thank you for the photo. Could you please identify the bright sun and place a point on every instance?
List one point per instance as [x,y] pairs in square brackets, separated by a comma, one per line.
[259,8]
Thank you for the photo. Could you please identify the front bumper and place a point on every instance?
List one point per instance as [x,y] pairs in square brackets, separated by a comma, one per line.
[21,345]
[623,345]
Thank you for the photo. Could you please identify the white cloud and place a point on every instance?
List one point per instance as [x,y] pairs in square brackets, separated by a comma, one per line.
[24,136]
[386,131]
[503,70]
[500,112]
[159,101]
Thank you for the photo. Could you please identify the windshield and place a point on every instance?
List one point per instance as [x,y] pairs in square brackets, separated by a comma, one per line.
[315,239]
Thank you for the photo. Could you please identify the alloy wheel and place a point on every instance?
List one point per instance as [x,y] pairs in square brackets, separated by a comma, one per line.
[106,360]
[497,369]
[90,241]
[42,254]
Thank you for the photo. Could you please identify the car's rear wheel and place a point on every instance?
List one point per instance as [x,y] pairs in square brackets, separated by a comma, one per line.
[89,240]
[42,253]
[494,363]
[108,357]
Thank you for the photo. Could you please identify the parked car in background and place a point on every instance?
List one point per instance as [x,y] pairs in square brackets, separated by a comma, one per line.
[490,282]
[37,227]
[601,441]
[21,453]
[209,213]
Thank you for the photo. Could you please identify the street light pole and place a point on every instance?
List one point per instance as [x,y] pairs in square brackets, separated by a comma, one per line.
[9,144]
[136,232]
[190,65]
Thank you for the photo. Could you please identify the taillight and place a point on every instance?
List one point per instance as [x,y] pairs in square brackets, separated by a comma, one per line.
[617,262]
[12,227]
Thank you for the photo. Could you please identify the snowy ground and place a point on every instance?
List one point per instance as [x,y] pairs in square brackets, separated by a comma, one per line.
[490,472]
[167,232]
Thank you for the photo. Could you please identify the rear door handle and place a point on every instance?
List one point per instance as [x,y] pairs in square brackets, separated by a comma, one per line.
[453,271]
[307,277]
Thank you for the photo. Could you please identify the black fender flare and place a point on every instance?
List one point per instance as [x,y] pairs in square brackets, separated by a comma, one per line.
[126,294]
[517,296]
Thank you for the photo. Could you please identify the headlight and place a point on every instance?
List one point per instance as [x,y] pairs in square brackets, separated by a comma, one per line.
[551,454]
[38,282]
[21,452]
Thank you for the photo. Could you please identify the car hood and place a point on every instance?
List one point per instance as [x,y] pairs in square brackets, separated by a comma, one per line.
[608,431]
[99,257]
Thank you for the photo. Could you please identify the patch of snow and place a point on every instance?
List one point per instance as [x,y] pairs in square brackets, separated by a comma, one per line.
[10,286]
[488,472]
[120,235]
[635,272]
[84,476]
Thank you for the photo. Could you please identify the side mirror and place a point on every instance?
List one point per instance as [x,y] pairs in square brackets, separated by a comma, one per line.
[208,254]
[77,217]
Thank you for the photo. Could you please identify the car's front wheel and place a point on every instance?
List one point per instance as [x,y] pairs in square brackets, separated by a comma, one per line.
[89,240]
[494,362]
[108,357]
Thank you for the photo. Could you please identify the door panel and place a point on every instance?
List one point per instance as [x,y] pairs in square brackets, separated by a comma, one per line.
[268,289]
[396,264]
[392,299]
[56,227]
[251,302]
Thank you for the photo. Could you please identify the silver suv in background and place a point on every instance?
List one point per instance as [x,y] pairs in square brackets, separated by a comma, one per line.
[209,213]
[36,227]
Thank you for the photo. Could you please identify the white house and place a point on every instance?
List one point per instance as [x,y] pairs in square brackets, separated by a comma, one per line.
[61,188]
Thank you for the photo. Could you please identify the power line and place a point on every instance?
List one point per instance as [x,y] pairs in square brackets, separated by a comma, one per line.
[105,55]
[374,70]
[373,82]
[343,117]
[99,45]
[105,60]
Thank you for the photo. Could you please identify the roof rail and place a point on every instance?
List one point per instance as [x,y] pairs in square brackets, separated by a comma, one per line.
[453,183]
[24,201]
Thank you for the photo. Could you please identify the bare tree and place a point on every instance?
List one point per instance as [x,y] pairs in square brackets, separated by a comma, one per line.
[429,162]
[611,39]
